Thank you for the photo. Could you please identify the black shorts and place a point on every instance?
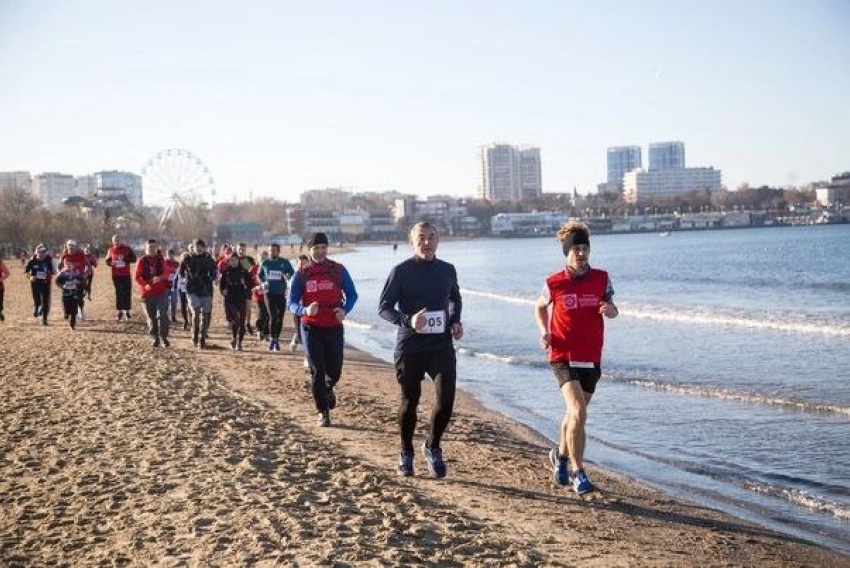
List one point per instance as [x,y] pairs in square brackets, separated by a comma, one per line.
[587,378]
[440,361]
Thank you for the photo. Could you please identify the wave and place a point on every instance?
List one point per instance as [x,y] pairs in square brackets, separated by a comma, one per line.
[750,480]
[734,395]
[357,325]
[745,397]
[700,316]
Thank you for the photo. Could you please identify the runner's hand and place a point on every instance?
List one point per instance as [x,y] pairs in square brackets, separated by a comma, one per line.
[340,314]
[156,279]
[457,330]
[313,309]
[608,309]
[544,340]
[419,320]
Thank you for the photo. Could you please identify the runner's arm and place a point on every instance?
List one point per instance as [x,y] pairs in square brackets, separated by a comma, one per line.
[389,298]
[350,291]
[457,301]
[296,290]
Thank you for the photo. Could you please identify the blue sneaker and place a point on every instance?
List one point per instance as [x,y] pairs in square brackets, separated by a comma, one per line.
[434,459]
[581,484]
[405,464]
[271,345]
[277,345]
[560,467]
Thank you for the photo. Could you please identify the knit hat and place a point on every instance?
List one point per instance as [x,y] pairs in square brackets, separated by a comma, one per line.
[317,239]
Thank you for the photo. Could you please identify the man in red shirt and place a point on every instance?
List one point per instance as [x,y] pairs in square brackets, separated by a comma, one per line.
[119,257]
[154,284]
[80,263]
[579,297]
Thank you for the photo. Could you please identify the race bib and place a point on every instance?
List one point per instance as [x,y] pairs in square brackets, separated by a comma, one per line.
[275,275]
[70,285]
[435,322]
[118,263]
[582,364]
[41,275]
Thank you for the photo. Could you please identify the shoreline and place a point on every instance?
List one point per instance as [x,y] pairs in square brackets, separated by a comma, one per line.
[115,452]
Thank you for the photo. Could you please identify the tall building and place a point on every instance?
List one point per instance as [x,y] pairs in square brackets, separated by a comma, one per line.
[509,173]
[115,186]
[86,185]
[530,176]
[622,159]
[640,186]
[52,188]
[328,198]
[16,180]
[666,155]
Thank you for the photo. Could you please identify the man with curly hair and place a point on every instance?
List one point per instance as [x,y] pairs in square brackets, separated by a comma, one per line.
[569,314]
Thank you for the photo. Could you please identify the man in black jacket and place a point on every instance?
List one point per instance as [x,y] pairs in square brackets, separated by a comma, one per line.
[422,297]
[199,270]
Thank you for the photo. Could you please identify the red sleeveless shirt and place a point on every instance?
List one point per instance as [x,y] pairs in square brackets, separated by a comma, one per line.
[576,327]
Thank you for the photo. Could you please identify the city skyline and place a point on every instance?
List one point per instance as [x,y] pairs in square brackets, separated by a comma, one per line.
[402,99]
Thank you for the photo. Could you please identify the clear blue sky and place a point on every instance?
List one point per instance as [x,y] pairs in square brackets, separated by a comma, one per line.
[279,97]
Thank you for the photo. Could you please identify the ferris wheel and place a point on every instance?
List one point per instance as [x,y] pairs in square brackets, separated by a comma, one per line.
[176,179]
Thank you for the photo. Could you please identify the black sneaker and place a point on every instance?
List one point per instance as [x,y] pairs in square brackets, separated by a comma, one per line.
[44,322]
[120,315]
[35,312]
[405,464]
[155,342]
[233,343]
[324,419]
[434,459]
[2,317]
[165,342]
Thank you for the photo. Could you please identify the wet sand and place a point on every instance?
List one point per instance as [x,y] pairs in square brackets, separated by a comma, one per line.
[112,452]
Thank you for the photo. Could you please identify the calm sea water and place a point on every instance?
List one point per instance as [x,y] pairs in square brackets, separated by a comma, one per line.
[726,376]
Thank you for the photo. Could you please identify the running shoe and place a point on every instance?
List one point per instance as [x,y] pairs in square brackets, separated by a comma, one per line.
[126,314]
[233,344]
[560,467]
[250,329]
[324,419]
[581,484]
[155,342]
[239,346]
[405,464]
[271,344]
[35,313]
[434,460]
[165,342]
[120,316]
[293,345]
[277,345]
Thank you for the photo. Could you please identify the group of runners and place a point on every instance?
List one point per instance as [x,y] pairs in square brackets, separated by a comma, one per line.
[421,297]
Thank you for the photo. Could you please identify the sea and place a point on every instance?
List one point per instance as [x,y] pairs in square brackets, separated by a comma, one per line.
[726,377]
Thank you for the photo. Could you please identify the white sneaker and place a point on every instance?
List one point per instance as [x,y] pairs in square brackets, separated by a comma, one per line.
[82,316]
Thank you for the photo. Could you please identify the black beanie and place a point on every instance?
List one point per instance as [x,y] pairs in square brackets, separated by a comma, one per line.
[578,237]
[317,239]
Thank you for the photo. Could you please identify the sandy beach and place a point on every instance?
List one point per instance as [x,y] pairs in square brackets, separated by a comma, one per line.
[115,453]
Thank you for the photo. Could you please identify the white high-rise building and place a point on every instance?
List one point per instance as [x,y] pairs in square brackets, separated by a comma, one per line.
[16,180]
[52,188]
[622,159]
[86,185]
[666,155]
[114,186]
[530,175]
[640,186]
[509,173]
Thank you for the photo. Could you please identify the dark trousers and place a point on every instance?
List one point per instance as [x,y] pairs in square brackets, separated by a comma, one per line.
[70,304]
[156,309]
[277,307]
[440,364]
[123,292]
[2,293]
[184,306]
[88,284]
[41,297]
[324,347]
[262,317]
[236,312]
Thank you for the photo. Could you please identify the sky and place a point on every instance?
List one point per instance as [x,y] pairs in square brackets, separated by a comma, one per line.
[277,97]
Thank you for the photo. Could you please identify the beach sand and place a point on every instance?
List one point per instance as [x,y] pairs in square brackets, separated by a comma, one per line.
[112,452]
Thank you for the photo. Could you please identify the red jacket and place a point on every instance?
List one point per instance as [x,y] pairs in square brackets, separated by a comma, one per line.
[323,284]
[146,269]
[576,327]
[79,260]
[256,293]
[119,259]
